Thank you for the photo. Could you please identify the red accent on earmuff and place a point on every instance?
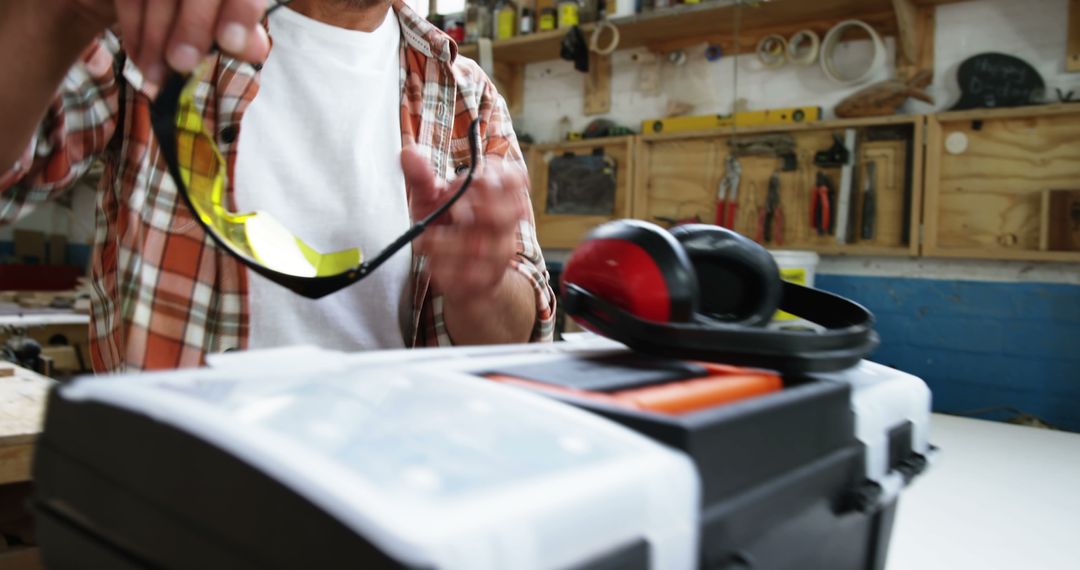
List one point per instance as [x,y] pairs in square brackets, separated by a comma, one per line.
[622,273]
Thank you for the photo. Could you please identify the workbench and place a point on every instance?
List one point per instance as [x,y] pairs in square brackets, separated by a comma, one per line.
[22,403]
[1001,497]
[45,323]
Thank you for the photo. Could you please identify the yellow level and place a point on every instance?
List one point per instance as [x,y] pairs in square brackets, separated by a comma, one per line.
[746,119]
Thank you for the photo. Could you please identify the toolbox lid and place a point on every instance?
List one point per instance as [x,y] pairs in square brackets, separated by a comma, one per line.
[436,469]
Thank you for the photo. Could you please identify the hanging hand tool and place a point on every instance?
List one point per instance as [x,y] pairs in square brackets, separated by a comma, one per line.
[821,200]
[869,209]
[771,223]
[727,196]
[844,216]
[836,155]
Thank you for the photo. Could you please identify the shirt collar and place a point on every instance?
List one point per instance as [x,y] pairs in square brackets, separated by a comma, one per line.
[422,36]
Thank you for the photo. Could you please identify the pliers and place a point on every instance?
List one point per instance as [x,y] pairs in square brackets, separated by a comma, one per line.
[727,195]
[771,223]
[821,199]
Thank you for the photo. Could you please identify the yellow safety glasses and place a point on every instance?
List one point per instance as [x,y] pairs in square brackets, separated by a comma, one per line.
[256,238]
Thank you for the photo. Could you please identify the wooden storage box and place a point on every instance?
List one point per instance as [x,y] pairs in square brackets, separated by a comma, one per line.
[678,177]
[565,230]
[990,175]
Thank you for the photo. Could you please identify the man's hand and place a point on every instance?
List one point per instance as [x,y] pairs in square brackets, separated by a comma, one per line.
[469,249]
[177,33]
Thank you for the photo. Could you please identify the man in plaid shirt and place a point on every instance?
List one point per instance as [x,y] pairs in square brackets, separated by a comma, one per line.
[164,295]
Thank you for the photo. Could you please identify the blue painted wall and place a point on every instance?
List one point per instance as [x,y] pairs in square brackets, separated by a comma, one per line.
[979,345]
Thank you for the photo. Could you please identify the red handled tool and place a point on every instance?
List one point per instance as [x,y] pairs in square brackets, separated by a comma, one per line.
[821,204]
[727,196]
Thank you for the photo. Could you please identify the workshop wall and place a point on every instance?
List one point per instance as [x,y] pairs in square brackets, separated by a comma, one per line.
[994,338]
[1033,30]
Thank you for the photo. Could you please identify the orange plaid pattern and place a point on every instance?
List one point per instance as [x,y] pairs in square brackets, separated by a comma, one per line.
[164,295]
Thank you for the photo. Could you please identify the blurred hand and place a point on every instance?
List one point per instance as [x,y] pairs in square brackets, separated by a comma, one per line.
[158,34]
[469,249]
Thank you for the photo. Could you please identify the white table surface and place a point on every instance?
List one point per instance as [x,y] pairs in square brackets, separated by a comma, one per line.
[45,319]
[1001,497]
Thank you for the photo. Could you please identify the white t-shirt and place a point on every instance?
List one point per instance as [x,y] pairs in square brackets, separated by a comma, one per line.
[319,149]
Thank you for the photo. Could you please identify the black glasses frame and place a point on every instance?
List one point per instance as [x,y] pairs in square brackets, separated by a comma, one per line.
[163,112]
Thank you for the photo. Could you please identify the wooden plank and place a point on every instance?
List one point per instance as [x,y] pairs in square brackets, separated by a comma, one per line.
[1072,51]
[22,403]
[1007,255]
[1062,220]
[16,462]
[1032,111]
[1044,222]
[566,231]
[931,185]
[21,558]
[989,198]
[917,182]
[907,33]
[598,85]
[510,81]
[926,26]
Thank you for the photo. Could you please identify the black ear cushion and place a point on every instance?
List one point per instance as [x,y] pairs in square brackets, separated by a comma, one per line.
[638,267]
[738,280]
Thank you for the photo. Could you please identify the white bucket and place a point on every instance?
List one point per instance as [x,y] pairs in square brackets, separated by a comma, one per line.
[796,267]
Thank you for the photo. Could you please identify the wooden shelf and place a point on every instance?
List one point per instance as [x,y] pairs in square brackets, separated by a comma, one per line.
[837,124]
[712,22]
[21,558]
[1029,112]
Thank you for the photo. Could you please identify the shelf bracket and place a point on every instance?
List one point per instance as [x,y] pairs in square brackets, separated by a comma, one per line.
[915,39]
[510,81]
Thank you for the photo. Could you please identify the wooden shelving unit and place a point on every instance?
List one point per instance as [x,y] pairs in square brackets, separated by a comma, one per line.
[566,230]
[713,22]
[678,176]
[986,198]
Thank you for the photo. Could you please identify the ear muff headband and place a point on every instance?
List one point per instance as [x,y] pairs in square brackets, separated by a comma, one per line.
[738,278]
[788,352]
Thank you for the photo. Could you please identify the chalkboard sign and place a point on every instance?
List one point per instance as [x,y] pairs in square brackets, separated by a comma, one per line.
[998,80]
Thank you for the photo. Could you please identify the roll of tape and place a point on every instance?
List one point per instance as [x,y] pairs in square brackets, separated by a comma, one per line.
[828,51]
[772,51]
[798,54]
[594,40]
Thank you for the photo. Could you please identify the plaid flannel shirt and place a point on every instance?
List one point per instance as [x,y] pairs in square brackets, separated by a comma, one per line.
[164,295]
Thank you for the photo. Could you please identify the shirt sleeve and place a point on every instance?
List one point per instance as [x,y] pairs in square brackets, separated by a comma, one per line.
[76,129]
[529,261]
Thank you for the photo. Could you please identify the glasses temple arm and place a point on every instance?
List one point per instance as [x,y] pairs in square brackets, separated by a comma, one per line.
[419,227]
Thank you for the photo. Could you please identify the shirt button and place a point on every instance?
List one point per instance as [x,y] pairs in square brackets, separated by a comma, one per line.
[461,168]
[229,134]
[440,109]
[257,66]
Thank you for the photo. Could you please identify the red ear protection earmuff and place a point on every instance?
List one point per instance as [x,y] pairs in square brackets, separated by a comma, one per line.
[706,292]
